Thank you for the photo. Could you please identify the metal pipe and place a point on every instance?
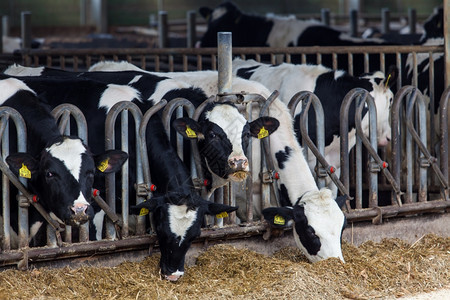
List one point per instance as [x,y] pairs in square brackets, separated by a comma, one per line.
[224,50]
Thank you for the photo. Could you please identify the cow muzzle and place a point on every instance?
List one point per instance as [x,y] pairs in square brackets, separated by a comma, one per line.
[172,277]
[239,168]
[79,215]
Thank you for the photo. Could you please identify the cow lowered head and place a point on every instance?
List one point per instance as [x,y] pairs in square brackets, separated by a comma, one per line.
[318,223]
[223,135]
[63,175]
[178,219]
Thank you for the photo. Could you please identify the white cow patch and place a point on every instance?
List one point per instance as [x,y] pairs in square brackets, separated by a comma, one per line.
[11,86]
[135,79]
[98,223]
[116,93]
[232,123]
[69,152]
[18,70]
[165,86]
[34,229]
[181,219]
[218,13]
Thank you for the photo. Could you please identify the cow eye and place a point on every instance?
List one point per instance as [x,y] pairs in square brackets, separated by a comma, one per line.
[48,174]
[212,134]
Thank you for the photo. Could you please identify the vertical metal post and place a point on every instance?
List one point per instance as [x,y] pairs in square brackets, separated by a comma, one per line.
[83,18]
[162,29]
[5,23]
[191,31]
[325,16]
[354,22]
[385,20]
[224,62]
[26,29]
[412,20]
[1,40]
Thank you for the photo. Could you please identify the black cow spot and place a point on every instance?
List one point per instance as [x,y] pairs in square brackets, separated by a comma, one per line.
[306,233]
[284,196]
[282,156]
[246,73]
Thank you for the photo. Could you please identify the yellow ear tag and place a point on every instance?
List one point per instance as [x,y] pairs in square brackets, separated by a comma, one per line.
[279,220]
[387,81]
[103,165]
[263,133]
[222,215]
[24,172]
[190,133]
[144,211]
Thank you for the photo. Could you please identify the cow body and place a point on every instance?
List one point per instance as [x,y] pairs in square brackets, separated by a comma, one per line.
[296,184]
[60,169]
[330,87]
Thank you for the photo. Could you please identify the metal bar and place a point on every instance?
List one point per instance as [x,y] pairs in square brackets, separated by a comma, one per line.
[110,189]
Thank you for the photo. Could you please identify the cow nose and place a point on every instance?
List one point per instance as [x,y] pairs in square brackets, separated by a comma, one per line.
[238,163]
[79,209]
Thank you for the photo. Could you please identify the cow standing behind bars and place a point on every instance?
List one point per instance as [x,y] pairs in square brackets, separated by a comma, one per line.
[60,169]
[318,219]
[330,87]
[178,209]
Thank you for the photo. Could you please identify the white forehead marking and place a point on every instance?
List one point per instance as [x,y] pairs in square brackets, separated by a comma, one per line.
[218,12]
[115,93]
[231,122]
[181,219]
[10,86]
[81,200]
[69,152]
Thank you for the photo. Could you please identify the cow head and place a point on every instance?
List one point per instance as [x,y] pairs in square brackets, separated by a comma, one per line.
[178,219]
[224,17]
[434,25]
[318,223]
[223,135]
[63,175]
[383,96]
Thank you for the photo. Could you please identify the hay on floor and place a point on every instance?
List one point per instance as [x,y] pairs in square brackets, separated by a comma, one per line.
[391,268]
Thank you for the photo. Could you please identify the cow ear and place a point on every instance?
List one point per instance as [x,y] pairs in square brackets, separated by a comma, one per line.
[205,12]
[263,127]
[188,128]
[278,216]
[217,208]
[391,76]
[146,207]
[22,164]
[340,200]
[110,161]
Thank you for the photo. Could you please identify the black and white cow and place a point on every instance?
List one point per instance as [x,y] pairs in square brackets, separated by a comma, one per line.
[178,209]
[330,87]
[298,189]
[60,168]
[278,31]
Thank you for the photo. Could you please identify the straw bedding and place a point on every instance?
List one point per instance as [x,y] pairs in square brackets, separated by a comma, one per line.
[388,269]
